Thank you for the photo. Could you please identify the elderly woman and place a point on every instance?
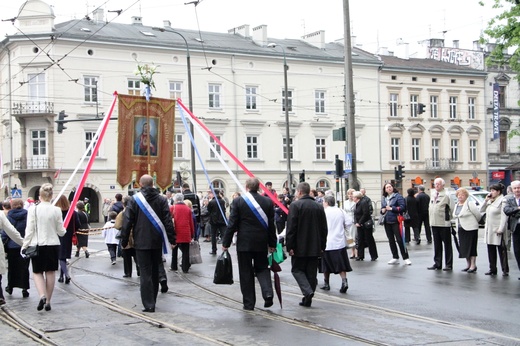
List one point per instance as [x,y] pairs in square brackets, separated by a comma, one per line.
[365,234]
[185,231]
[44,225]
[495,229]
[467,216]
[393,205]
[14,235]
[349,205]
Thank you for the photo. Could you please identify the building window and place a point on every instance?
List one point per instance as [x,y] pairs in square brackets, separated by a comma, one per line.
[90,87]
[319,101]
[471,108]
[453,107]
[89,136]
[39,142]
[215,94]
[414,101]
[502,96]
[503,142]
[473,150]
[435,152]
[394,146]
[218,184]
[290,148]
[134,87]
[36,83]
[321,149]
[251,92]
[289,100]
[217,147]
[178,146]
[394,99]
[252,147]
[175,90]
[323,184]
[434,106]
[416,149]
[454,150]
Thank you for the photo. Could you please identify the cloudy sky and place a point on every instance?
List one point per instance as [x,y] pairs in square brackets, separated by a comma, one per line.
[376,23]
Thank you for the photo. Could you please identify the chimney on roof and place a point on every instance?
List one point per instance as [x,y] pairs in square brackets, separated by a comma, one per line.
[167,23]
[316,39]
[455,43]
[137,20]
[260,35]
[242,30]
[383,51]
[437,42]
[98,15]
[476,45]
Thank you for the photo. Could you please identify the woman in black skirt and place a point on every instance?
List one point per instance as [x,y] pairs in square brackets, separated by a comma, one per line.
[335,258]
[83,224]
[467,216]
[66,241]
[44,227]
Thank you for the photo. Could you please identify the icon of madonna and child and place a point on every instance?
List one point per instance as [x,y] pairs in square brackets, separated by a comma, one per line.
[145,136]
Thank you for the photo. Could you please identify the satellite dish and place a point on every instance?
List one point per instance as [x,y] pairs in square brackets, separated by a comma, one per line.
[184,166]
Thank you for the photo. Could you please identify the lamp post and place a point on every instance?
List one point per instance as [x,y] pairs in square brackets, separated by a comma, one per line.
[190,102]
[286,106]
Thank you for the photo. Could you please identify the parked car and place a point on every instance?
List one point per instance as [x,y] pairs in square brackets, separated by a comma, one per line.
[477,196]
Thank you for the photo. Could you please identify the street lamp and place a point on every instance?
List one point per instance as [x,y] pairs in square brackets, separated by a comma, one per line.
[190,101]
[286,106]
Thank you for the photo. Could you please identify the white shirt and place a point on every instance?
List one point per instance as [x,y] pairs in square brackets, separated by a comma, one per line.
[337,222]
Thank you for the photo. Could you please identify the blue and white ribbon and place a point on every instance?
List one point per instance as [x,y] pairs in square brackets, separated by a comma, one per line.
[256,209]
[154,219]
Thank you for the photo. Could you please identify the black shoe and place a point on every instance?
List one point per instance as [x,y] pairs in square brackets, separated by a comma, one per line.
[491,273]
[359,259]
[344,287]
[148,310]
[77,254]
[447,269]
[352,257]
[248,308]
[429,241]
[307,300]
[127,276]
[325,287]
[41,303]
[465,269]
[474,270]
[418,242]
[164,286]
[25,293]
[505,274]
[9,290]
[87,254]
[67,280]
[373,259]
[213,253]
[434,267]
[268,302]
[61,279]
[47,307]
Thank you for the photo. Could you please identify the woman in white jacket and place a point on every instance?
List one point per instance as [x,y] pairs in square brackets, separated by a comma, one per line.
[495,229]
[44,225]
[14,235]
[467,216]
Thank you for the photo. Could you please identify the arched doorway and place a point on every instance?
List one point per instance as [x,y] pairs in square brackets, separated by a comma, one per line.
[92,193]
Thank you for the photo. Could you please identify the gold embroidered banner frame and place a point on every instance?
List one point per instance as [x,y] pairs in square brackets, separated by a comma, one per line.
[145,139]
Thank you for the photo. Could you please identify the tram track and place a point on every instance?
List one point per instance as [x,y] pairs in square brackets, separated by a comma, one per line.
[14,321]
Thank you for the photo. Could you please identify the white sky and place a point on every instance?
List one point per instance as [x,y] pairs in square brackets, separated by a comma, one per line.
[376,23]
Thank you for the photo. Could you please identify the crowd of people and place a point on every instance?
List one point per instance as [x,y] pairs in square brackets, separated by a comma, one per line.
[317,231]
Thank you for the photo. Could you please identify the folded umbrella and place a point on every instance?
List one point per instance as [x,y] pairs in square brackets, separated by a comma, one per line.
[455,239]
[275,268]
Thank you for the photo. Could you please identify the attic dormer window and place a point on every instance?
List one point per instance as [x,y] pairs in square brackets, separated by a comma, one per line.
[85,29]
[147,33]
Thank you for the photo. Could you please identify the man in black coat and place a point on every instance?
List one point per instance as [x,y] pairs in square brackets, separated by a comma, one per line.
[254,238]
[216,219]
[148,241]
[423,205]
[306,239]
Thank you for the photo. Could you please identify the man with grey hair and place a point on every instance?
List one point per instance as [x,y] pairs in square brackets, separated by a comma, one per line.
[423,204]
[440,210]
[511,207]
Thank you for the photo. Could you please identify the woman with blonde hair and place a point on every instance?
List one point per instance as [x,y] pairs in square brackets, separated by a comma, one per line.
[349,206]
[66,241]
[44,226]
[467,216]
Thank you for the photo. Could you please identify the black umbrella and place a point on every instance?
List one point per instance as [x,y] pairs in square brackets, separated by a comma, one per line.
[275,268]
[455,239]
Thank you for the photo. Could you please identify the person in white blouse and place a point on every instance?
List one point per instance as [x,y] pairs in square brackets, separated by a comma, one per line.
[467,216]
[349,206]
[496,232]
[44,225]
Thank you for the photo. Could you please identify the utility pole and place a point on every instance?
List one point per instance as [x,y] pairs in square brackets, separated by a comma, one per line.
[349,108]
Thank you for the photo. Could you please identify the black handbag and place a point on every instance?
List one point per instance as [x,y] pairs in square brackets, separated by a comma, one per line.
[369,224]
[223,270]
[406,216]
[33,250]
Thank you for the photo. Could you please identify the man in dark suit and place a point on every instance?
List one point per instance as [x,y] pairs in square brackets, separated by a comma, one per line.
[306,239]
[256,233]
[423,205]
[148,241]
[511,207]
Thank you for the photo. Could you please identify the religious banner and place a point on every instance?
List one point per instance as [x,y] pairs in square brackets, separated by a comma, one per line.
[146,136]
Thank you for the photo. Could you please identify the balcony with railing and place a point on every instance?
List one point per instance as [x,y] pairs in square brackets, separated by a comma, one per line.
[32,163]
[439,165]
[33,107]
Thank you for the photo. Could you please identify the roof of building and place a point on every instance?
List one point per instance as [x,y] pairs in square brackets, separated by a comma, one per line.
[426,66]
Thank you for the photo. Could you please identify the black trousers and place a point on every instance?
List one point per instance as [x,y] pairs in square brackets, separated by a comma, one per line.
[149,262]
[394,236]
[251,263]
[185,264]
[442,236]
[365,236]
[492,257]
[128,254]
[425,219]
[305,272]
[516,244]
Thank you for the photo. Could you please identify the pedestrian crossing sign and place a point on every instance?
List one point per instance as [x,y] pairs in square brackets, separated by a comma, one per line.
[348,163]
[16,193]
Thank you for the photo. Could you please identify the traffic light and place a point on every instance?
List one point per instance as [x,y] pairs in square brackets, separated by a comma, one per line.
[400,172]
[420,108]
[339,168]
[396,174]
[302,176]
[61,121]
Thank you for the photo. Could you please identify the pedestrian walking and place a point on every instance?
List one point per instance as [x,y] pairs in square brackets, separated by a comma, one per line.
[423,205]
[393,206]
